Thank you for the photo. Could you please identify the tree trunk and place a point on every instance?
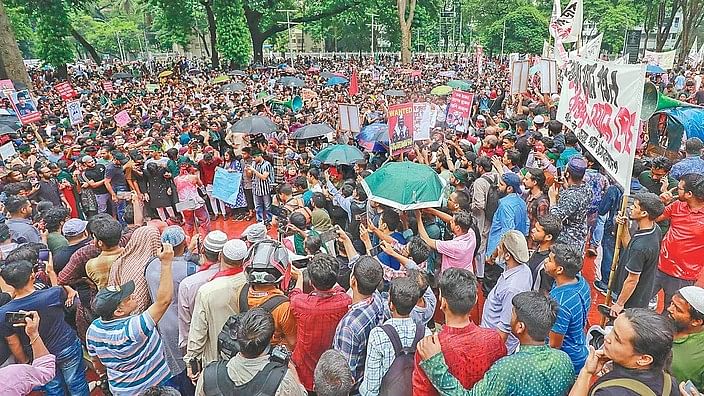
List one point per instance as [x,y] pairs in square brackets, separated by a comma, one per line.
[665,24]
[406,45]
[214,56]
[258,45]
[405,23]
[11,63]
[86,45]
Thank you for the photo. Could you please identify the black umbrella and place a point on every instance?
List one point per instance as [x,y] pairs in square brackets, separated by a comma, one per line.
[233,87]
[237,73]
[6,129]
[394,92]
[10,121]
[253,125]
[291,82]
[312,131]
[122,76]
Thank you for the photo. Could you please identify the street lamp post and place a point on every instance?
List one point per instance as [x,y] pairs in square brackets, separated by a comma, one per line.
[373,27]
[288,26]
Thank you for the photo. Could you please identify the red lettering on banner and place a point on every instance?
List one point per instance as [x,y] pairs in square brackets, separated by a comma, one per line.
[625,121]
[578,105]
[600,120]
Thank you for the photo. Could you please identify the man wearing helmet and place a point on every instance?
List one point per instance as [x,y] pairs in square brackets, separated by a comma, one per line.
[266,268]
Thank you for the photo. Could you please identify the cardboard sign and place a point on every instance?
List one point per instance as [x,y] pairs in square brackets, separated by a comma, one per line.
[547,70]
[122,118]
[75,114]
[226,185]
[7,151]
[349,117]
[25,107]
[65,90]
[519,76]
[6,85]
[421,121]
[459,110]
[107,86]
[400,128]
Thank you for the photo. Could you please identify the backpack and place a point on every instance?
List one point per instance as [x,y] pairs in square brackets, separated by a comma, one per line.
[216,381]
[635,386]
[492,197]
[398,379]
[227,339]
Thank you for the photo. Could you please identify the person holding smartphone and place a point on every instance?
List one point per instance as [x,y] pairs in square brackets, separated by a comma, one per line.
[20,379]
[115,339]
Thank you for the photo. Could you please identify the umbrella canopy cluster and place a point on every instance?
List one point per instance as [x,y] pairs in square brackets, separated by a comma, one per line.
[405,186]
[254,125]
[340,154]
[233,87]
[312,131]
[291,82]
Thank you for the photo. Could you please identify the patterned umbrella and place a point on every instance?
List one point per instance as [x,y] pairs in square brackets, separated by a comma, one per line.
[372,133]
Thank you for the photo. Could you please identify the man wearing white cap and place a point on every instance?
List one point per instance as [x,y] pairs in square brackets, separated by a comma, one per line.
[686,311]
[214,305]
[212,246]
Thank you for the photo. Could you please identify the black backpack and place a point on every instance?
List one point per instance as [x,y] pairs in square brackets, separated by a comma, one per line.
[492,197]
[398,380]
[216,381]
[227,339]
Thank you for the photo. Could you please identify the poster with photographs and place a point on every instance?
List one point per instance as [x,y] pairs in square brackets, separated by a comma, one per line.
[400,128]
[25,107]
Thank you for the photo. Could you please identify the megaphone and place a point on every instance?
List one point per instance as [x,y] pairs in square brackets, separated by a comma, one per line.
[654,101]
[295,104]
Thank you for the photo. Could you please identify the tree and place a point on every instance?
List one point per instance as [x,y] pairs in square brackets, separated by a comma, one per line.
[406,9]
[263,19]
[11,63]
[53,28]
[233,40]
[526,29]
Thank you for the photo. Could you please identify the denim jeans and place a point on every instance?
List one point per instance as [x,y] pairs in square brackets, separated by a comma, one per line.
[262,205]
[102,202]
[121,205]
[598,231]
[70,372]
[608,243]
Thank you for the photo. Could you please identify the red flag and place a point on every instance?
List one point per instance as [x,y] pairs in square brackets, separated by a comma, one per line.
[354,85]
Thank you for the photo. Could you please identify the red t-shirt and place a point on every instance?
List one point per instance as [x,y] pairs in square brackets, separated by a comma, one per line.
[682,252]
[469,353]
[207,170]
[317,315]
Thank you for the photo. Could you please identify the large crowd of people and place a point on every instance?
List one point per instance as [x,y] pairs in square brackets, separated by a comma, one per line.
[123,273]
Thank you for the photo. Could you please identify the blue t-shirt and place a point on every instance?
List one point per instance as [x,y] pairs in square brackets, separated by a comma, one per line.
[388,260]
[49,303]
[574,301]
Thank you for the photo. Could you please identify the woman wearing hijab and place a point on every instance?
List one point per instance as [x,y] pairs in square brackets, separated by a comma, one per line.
[144,246]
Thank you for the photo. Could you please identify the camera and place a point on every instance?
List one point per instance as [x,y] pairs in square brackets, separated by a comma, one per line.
[280,354]
[281,215]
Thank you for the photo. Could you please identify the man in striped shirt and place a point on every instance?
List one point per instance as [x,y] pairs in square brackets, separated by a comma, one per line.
[262,180]
[127,347]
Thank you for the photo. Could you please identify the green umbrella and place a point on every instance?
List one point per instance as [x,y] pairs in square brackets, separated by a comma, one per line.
[405,186]
[441,90]
[340,154]
[459,84]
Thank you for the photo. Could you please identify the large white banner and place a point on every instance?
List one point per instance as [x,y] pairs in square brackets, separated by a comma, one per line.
[666,60]
[592,49]
[601,102]
[568,26]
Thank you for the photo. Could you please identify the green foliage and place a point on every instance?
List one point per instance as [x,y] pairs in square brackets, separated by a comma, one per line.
[103,34]
[174,20]
[526,29]
[22,27]
[53,32]
[234,42]
[613,22]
